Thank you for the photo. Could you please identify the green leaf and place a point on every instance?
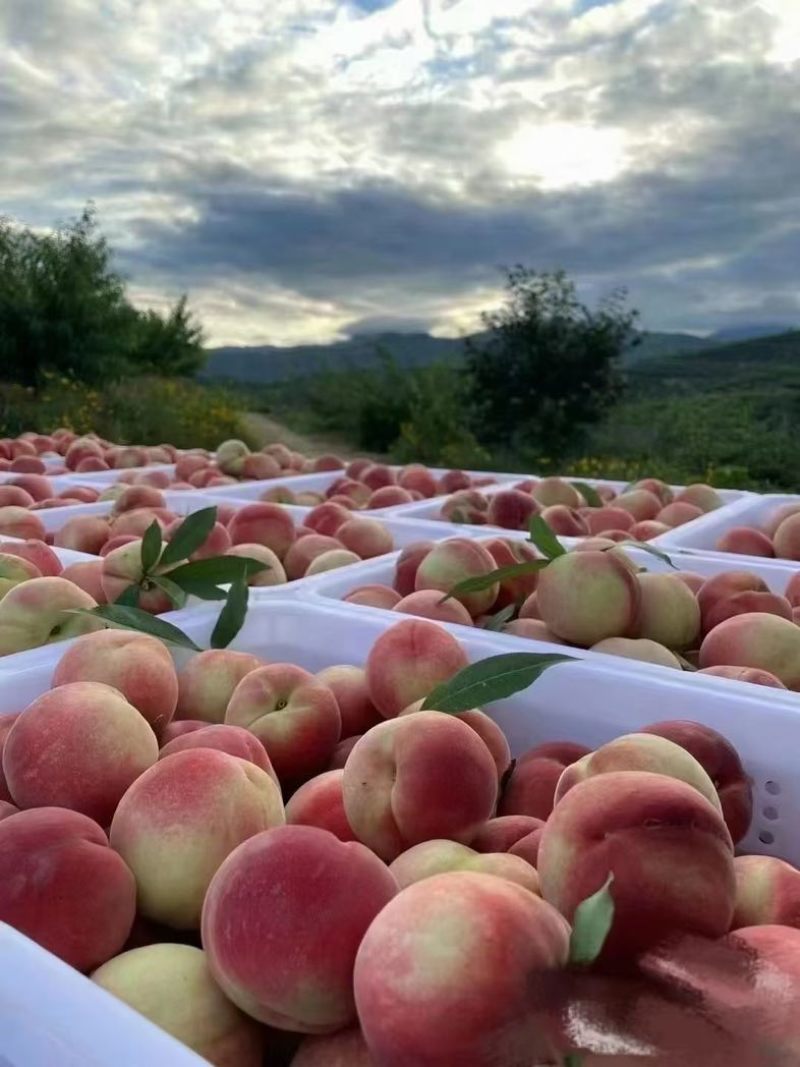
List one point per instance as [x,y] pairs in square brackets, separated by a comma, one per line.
[173,591]
[591,925]
[486,581]
[219,570]
[544,538]
[125,618]
[500,618]
[491,679]
[589,494]
[189,536]
[645,547]
[129,598]
[231,618]
[151,547]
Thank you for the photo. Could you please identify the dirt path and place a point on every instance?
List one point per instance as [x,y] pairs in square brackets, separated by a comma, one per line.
[266,431]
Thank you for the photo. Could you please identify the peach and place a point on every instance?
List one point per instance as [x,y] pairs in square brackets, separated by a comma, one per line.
[769,527]
[721,762]
[122,568]
[408,562]
[188,464]
[641,649]
[356,492]
[747,603]
[791,592]
[378,475]
[216,543]
[267,923]
[12,496]
[80,449]
[19,522]
[702,496]
[488,731]
[530,789]
[549,491]
[656,486]
[171,985]
[303,552]
[647,530]
[368,538]
[347,1048]
[418,478]
[326,518]
[138,496]
[447,973]
[231,739]
[642,504]
[85,533]
[53,855]
[294,715]
[81,493]
[507,553]
[116,542]
[349,685]
[408,661]
[263,524]
[342,751]
[260,466]
[180,819]
[453,561]
[499,834]
[774,979]
[757,640]
[309,499]
[467,506]
[207,682]
[678,514]
[427,604]
[27,465]
[279,494]
[786,541]
[746,542]
[430,858]
[533,629]
[668,611]
[530,607]
[767,892]
[356,467]
[720,586]
[527,847]
[91,464]
[137,665]
[388,497]
[14,570]
[745,674]
[331,560]
[598,520]
[452,481]
[374,596]
[328,462]
[640,752]
[667,846]
[273,572]
[179,727]
[7,808]
[6,722]
[567,522]
[692,581]
[36,552]
[584,597]
[319,802]
[231,455]
[40,611]
[511,509]
[398,783]
[280,453]
[78,746]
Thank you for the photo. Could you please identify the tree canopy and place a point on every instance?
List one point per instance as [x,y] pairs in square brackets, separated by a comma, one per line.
[64,310]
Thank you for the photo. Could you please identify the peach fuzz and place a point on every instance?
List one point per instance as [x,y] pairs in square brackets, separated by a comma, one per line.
[303,552]
[263,524]
[745,541]
[171,985]
[327,518]
[373,596]
[349,685]
[499,834]
[507,553]
[668,611]
[428,604]
[721,762]
[234,740]
[438,857]
[511,509]
[445,945]
[486,729]
[37,612]
[533,629]
[20,522]
[273,572]
[453,561]
[180,819]
[347,1048]
[530,790]
[786,540]
[12,496]
[368,538]
[745,674]
[669,850]
[137,665]
[6,722]
[268,918]
[207,682]
[293,714]
[399,783]
[36,552]
[564,521]
[405,573]
[767,892]
[51,855]
[640,752]
[319,802]
[584,597]
[418,478]
[408,661]
[747,603]
[641,649]
[766,642]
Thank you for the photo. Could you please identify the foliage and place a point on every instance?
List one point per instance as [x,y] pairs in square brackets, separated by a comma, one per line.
[63,310]
[549,366]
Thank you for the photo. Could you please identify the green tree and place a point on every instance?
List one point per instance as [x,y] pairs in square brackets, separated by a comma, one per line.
[549,366]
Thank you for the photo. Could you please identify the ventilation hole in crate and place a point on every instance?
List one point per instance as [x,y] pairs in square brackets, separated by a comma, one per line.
[766,837]
[770,813]
[772,788]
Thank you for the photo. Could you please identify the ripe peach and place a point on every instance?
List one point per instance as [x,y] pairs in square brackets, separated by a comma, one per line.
[377,476]
[138,496]
[14,570]
[467,506]
[368,538]
[452,481]
[373,596]
[12,496]
[36,552]
[279,494]
[408,661]
[527,847]
[319,802]
[138,521]
[78,746]
[786,541]
[140,667]
[189,463]
[294,715]
[747,603]
[692,581]
[328,462]
[231,739]
[356,467]
[216,543]
[418,478]
[356,492]
[303,552]
[280,453]
[643,828]
[721,762]
[678,513]
[27,465]
[230,456]
[181,818]
[549,491]
[85,533]
[767,892]
[427,604]
[260,466]
[745,674]
[388,497]
[19,522]
[331,560]
[6,722]
[430,858]
[179,727]
[531,788]
[309,499]
[507,553]
[642,504]
[116,542]
[268,918]
[7,808]
[511,509]
[408,562]
[445,945]
[342,751]
[647,530]
[171,985]
[755,640]
[721,586]
[453,561]
[346,1048]
[770,526]
[598,520]
[702,496]
[51,855]
[263,524]
[641,649]
[530,607]
[746,542]
[656,486]
[668,611]
[273,573]
[122,568]
[486,728]
[81,493]
[40,611]
[207,682]
[584,597]
[499,834]
[396,777]
[349,685]
[327,518]
[533,629]
[567,522]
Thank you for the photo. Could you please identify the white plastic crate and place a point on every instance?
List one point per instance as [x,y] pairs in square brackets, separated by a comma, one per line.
[703,534]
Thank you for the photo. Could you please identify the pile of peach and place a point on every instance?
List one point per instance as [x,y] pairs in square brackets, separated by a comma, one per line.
[265,861]
[643,511]
[731,624]
[81,454]
[779,537]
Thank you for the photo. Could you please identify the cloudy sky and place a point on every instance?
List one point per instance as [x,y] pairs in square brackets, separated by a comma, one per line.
[308,168]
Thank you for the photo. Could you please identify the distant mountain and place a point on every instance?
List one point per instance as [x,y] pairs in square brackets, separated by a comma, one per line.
[267,363]
[759,361]
[750,331]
